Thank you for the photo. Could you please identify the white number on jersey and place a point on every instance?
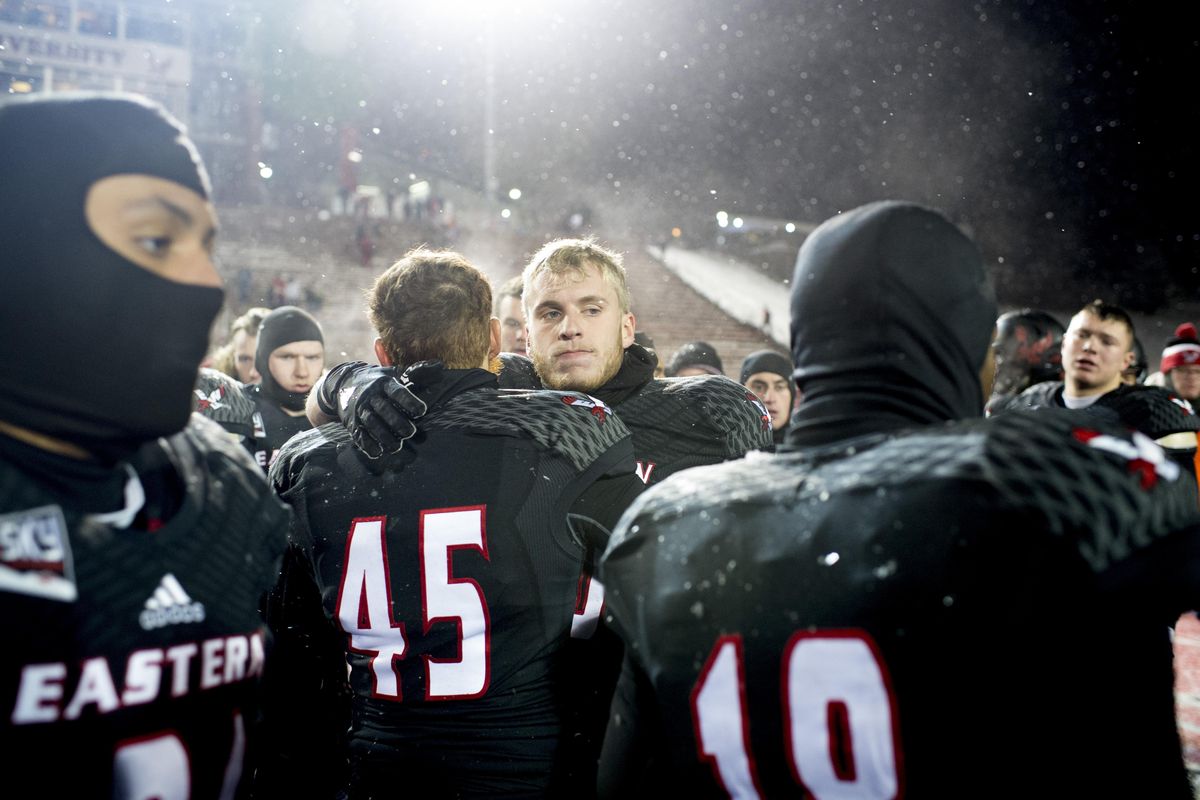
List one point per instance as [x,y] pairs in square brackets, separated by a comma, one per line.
[364,605]
[839,717]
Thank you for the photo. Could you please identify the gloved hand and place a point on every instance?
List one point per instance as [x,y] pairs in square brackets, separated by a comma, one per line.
[376,407]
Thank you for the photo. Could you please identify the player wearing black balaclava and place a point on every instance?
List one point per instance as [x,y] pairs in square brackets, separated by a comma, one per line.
[904,596]
[281,411]
[135,539]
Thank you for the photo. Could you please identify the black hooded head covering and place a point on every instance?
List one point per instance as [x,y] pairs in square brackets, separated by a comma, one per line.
[94,350]
[892,316]
[284,325]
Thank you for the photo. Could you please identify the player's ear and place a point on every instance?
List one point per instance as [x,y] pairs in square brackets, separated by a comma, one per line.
[493,338]
[381,353]
[628,328]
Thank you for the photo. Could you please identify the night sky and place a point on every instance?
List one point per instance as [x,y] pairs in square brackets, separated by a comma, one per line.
[1063,138]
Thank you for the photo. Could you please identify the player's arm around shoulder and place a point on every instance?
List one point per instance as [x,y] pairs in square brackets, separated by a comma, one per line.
[731,411]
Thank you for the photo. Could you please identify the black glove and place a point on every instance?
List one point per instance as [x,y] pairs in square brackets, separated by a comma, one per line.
[376,407]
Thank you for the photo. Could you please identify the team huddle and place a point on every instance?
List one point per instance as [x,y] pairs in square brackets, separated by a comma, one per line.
[468,572]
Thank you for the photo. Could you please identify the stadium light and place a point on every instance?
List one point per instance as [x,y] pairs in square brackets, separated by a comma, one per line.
[514,194]
[790,227]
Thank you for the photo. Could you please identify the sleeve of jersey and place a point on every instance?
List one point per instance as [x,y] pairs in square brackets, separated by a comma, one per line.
[628,570]
[1128,510]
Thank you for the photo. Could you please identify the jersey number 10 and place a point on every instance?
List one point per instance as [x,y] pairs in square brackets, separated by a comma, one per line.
[839,718]
[364,604]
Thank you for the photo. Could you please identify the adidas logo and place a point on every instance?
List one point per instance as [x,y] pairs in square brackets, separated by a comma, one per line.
[170,605]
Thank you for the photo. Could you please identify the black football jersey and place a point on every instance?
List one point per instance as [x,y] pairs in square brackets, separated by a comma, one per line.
[455,576]
[976,609]
[689,422]
[272,428]
[133,652]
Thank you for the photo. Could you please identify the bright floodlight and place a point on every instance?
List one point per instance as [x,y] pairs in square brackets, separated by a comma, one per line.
[722,219]
[790,227]
[506,213]
[264,171]
[354,156]
[514,194]
[737,222]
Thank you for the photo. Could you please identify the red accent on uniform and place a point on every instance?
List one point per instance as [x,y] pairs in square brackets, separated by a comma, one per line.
[1145,471]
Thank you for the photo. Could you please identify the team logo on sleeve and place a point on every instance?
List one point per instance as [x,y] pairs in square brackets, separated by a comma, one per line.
[35,554]
[597,407]
[762,410]
[210,401]
[1143,457]
[1184,404]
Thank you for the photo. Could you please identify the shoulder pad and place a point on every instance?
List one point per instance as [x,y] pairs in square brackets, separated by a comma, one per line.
[516,372]
[575,425]
[1112,489]
[732,410]
[1154,411]
[209,437]
[1040,395]
[299,451]
[225,401]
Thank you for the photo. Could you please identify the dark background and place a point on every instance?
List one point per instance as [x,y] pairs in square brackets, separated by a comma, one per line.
[1062,135]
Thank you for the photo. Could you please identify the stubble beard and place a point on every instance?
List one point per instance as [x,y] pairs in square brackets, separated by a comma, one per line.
[572,381]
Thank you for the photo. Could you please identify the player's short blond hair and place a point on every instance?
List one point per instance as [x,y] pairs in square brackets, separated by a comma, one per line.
[570,257]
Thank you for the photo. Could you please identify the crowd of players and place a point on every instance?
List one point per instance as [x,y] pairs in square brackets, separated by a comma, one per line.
[511,559]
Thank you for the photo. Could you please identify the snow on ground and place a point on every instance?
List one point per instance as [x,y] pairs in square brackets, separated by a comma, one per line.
[737,288]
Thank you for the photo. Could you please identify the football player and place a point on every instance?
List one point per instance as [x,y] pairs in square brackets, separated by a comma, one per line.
[905,601]
[455,573]
[136,539]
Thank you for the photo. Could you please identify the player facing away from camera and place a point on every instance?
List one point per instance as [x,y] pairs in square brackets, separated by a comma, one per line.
[452,569]
[136,540]
[904,601]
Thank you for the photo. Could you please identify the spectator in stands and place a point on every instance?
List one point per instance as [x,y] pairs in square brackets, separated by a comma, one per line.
[293,293]
[695,358]
[278,287]
[769,375]
[506,307]
[245,285]
[1181,363]
[236,357]
[290,356]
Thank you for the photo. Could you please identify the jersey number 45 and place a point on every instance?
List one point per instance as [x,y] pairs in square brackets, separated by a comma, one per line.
[364,604]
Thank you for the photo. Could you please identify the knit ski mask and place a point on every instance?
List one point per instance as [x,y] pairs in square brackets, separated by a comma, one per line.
[94,350]
[284,325]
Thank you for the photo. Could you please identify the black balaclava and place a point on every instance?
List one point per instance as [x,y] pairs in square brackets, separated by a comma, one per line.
[284,325]
[892,316]
[94,350]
